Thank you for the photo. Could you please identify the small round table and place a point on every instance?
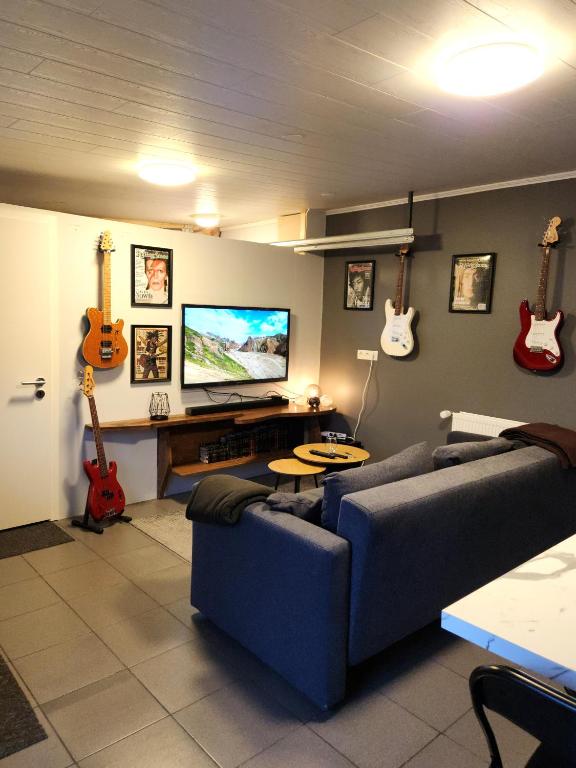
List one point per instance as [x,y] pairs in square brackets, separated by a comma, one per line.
[296,469]
[349,454]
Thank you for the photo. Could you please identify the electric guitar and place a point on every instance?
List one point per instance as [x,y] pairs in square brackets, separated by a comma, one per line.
[105,496]
[397,339]
[537,347]
[104,345]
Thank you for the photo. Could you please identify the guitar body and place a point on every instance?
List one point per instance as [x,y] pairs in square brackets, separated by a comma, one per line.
[104,345]
[397,339]
[537,347]
[105,495]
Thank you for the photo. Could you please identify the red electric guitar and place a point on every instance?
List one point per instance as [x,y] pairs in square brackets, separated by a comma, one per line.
[105,499]
[537,347]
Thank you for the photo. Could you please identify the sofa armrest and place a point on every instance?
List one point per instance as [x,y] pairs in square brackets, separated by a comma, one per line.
[279,585]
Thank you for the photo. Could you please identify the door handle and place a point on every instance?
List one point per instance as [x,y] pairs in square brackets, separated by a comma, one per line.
[39,382]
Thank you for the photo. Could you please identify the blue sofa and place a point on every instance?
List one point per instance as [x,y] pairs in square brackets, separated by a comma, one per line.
[311,603]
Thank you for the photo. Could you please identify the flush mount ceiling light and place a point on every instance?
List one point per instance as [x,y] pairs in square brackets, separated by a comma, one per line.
[166,173]
[490,69]
[207,220]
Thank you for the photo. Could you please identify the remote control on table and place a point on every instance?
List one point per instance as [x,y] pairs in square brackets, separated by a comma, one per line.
[327,455]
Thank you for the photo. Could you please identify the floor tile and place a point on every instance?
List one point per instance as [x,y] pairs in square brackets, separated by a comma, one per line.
[182,610]
[164,744]
[141,562]
[57,558]
[35,631]
[374,732]
[63,668]
[25,596]
[144,636]
[300,748]
[444,753]
[234,724]
[167,585]
[184,674]
[116,539]
[102,713]
[49,753]
[416,688]
[13,569]
[83,579]
[100,608]
[515,745]
[462,657]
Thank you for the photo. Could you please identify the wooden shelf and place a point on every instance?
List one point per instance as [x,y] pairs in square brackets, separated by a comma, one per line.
[198,467]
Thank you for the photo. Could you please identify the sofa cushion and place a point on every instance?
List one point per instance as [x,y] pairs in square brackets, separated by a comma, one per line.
[459,453]
[412,461]
[306,505]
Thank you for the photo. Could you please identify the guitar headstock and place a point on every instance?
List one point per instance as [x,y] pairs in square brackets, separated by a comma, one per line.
[106,243]
[88,381]
[551,235]
[404,250]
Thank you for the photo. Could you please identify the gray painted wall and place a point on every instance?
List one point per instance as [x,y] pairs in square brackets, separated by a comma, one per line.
[461,361]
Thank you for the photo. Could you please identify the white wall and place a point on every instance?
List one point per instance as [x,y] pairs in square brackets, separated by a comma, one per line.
[205,270]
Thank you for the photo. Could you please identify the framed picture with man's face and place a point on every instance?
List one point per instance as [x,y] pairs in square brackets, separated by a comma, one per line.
[359,285]
[151,276]
[471,282]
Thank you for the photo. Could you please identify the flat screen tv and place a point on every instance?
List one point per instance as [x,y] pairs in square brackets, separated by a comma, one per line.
[233,345]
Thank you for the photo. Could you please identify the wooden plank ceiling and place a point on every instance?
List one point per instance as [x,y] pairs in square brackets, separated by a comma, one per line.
[280,104]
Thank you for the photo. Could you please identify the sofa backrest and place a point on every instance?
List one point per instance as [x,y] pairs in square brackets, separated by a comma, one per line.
[419,544]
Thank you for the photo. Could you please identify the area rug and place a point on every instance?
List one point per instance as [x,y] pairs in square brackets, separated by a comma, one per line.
[170,528]
[26,538]
[19,727]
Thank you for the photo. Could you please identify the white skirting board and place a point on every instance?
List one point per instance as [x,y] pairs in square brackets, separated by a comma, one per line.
[482,425]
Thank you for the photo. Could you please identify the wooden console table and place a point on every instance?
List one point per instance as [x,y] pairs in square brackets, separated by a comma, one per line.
[179,437]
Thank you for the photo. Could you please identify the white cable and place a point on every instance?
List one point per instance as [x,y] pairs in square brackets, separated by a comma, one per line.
[363,400]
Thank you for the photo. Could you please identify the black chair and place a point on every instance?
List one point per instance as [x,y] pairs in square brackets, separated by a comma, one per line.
[545,712]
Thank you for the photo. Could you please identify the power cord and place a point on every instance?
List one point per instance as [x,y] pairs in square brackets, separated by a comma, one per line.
[363,399]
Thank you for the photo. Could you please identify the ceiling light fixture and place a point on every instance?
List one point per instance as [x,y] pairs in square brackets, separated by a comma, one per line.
[166,173]
[490,69]
[207,220]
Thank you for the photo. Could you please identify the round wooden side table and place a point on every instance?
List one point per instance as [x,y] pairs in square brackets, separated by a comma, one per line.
[296,469]
[345,454]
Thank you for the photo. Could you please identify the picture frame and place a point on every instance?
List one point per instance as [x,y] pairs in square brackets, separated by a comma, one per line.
[472,283]
[359,285]
[151,354]
[151,276]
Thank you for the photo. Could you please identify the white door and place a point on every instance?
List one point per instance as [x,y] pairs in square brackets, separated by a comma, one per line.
[28,448]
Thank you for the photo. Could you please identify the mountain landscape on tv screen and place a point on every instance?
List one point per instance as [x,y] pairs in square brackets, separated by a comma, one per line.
[209,358]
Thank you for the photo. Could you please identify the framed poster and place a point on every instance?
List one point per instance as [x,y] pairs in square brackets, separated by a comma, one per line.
[151,276]
[151,358]
[471,282]
[359,285]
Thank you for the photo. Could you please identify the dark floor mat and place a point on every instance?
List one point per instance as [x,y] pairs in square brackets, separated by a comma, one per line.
[26,538]
[19,727]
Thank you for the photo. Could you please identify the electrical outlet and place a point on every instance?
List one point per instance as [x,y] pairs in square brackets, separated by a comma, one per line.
[367,354]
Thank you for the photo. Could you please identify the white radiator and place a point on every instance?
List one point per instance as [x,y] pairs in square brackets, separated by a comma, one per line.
[482,425]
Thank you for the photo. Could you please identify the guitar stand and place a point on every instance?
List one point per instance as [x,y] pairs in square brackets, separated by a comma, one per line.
[87,525]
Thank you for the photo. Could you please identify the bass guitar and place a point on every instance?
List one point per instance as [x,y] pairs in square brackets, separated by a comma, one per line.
[104,345]
[397,339]
[105,500]
[537,347]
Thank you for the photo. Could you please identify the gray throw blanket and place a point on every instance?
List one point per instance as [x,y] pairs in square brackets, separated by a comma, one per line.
[220,499]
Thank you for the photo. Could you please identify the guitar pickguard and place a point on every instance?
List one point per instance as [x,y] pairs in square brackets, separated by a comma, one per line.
[542,336]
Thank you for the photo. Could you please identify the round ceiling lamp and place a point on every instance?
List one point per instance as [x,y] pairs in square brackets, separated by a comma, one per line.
[490,69]
[166,173]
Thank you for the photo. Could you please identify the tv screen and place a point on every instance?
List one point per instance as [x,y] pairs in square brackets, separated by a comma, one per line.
[233,345]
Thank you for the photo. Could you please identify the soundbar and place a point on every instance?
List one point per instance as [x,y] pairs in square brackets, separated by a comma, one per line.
[236,405]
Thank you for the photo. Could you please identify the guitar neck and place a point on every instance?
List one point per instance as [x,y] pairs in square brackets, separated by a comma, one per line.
[106,290]
[102,463]
[540,309]
[399,286]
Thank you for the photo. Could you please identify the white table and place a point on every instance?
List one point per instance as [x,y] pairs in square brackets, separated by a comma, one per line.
[528,615]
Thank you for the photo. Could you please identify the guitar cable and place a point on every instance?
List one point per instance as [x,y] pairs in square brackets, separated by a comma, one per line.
[363,399]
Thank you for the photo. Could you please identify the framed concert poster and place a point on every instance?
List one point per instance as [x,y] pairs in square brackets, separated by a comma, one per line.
[359,285]
[471,282]
[151,276]
[151,358]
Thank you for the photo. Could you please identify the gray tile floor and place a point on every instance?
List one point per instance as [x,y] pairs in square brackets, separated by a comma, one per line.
[122,672]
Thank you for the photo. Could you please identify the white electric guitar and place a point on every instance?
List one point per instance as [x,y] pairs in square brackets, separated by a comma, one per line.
[397,339]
